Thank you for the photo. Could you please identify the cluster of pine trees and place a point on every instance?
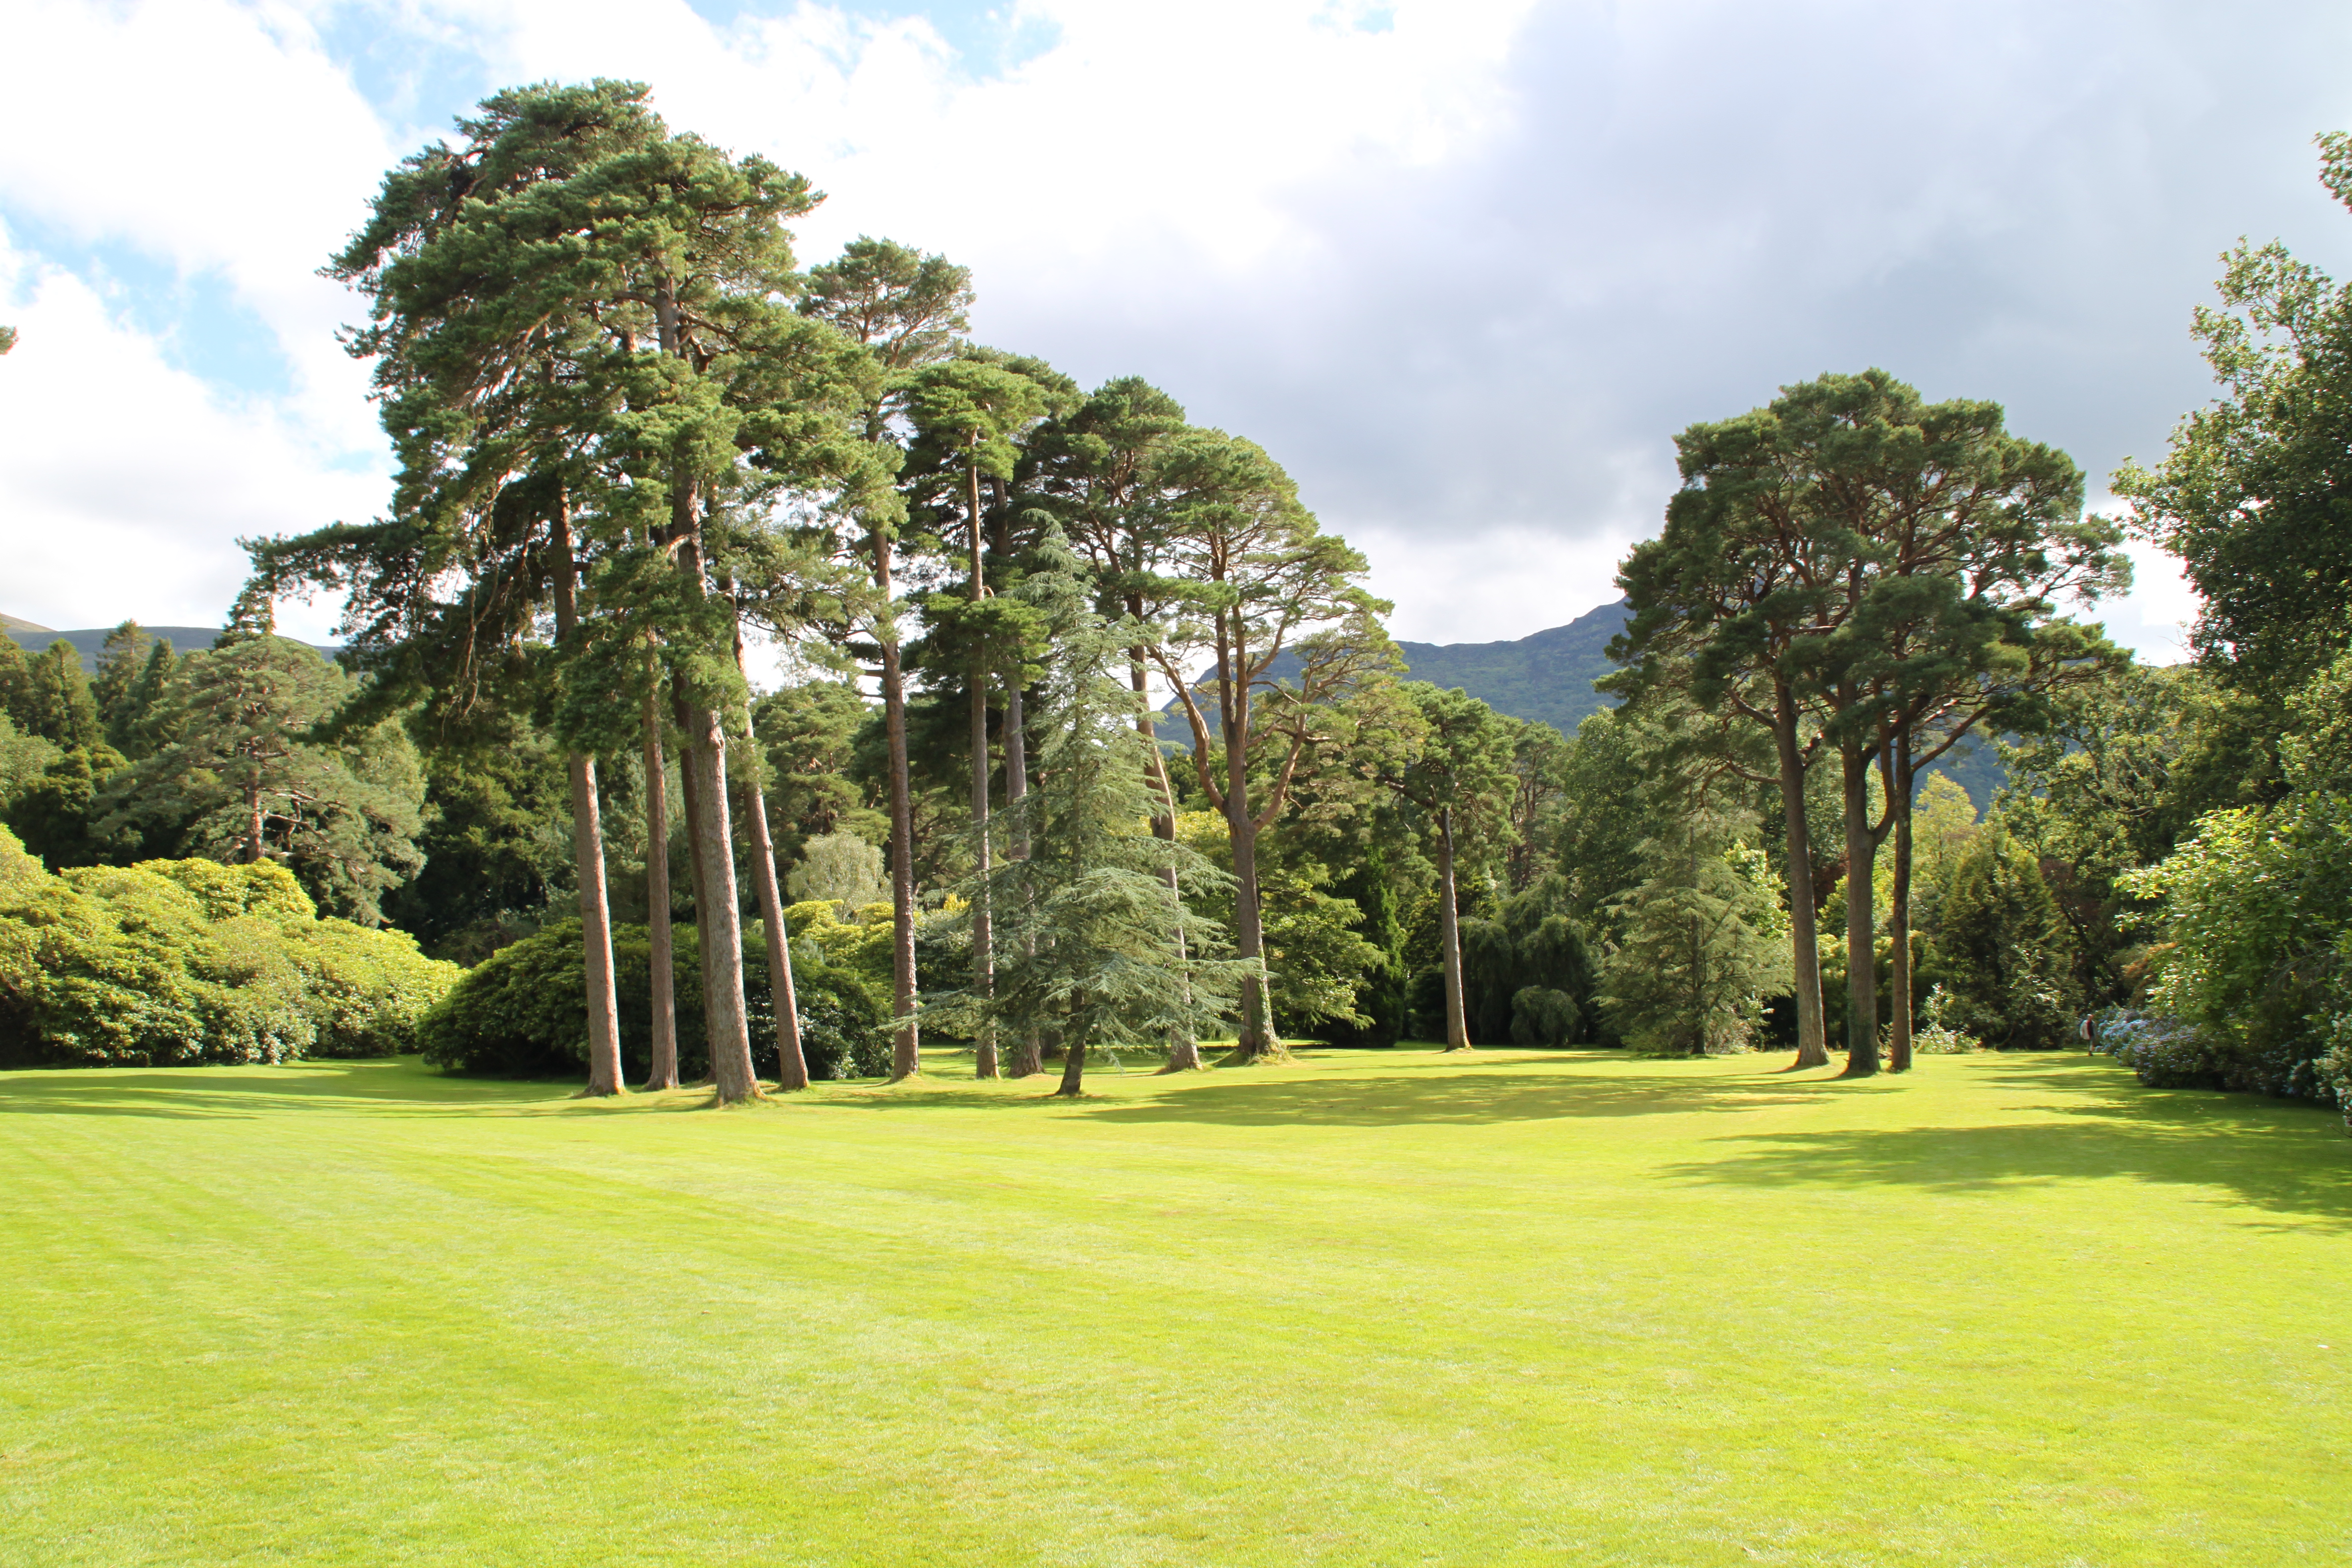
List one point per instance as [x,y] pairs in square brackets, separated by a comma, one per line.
[637,441]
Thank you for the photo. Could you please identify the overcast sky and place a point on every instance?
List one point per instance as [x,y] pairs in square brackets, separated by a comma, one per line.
[1465,268]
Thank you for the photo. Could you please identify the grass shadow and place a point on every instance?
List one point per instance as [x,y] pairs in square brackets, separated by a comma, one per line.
[1495,1092]
[393,1085]
[2278,1156]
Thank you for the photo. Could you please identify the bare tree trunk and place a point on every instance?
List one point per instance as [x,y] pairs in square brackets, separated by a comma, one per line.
[703,736]
[1184,1050]
[1449,919]
[1029,1051]
[718,908]
[983,936]
[664,1071]
[906,1050]
[1257,1040]
[690,800]
[588,847]
[792,1063]
[1073,1068]
[1898,918]
[1860,916]
[256,821]
[1804,938]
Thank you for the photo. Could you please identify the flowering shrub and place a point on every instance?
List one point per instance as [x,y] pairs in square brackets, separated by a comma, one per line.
[2258,912]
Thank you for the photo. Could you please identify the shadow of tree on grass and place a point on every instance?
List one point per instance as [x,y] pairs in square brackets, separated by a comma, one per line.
[2279,1156]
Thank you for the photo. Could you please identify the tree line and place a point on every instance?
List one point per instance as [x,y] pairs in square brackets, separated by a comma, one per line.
[636,440]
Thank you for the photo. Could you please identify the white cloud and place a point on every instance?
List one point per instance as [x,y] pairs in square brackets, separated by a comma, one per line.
[127,482]
[1465,272]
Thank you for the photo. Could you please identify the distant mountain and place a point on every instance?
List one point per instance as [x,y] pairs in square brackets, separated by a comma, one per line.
[1545,675]
[90,640]
[1548,675]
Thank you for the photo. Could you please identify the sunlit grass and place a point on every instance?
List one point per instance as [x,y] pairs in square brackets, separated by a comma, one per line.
[1376,1307]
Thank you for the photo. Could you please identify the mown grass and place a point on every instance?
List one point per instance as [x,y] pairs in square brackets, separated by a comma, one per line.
[1386,1308]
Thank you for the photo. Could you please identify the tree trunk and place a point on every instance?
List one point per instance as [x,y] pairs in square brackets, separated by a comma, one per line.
[791,1064]
[664,1071]
[588,848]
[1804,933]
[1898,917]
[1449,931]
[1860,916]
[256,823]
[906,1050]
[1029,1051]
[983,937]
[1073,1067]
[1258,1041]
[726,1021]
[690,800]
[1184,1050]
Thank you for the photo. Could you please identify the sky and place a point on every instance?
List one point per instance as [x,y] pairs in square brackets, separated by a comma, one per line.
[1464,268]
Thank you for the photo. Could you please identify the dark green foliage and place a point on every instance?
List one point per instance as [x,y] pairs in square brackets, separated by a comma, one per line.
[190,961]
[1701,940]
[2004,951]
[1545,1017]
[54,699]
[57,815]
[495,839]
[242,779]
[810,735]
[523,1012]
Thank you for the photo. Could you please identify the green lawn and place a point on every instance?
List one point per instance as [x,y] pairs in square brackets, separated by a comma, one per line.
[1381,1308]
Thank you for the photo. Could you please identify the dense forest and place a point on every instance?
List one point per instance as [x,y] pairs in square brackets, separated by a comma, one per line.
[1095,740]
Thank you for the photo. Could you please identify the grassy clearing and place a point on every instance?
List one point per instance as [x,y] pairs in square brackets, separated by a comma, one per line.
[1366,1308]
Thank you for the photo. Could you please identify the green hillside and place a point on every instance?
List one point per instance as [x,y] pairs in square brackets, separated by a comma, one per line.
[1545,675]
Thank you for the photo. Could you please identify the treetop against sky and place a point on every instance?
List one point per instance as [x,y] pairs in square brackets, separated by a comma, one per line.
[1463,267]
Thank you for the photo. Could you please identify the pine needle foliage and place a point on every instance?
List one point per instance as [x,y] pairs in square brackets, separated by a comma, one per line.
[1091,940]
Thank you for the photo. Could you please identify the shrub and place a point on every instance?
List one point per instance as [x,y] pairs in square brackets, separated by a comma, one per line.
[2005,952]
[2258,917]
[191,961]
[523,1011]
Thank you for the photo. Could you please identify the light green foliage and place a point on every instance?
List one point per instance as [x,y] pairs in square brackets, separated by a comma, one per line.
[2004,950]
[173,962]
[23,760]
[2257,910]
[1704,940]
[860,943]
[1316,960]
[356,1308]
[839,869]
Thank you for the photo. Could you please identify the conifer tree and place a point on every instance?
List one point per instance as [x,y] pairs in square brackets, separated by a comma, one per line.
[1260,581]
[1457,784]
[1100,948]
[1105,476]
[1703,939]
[242,782]
[905,310]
